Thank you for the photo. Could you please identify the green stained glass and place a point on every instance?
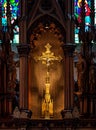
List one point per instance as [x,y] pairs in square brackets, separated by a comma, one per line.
[78,16]
[14,10]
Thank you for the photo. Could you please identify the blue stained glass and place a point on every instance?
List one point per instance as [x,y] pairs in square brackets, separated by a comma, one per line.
[14,10]
[78,15]
[95,12]
[78,11]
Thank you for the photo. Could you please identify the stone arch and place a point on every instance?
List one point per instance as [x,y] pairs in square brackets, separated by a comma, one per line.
[46,20]
[45,32]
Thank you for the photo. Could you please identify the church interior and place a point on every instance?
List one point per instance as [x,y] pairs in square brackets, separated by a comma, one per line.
[47,65]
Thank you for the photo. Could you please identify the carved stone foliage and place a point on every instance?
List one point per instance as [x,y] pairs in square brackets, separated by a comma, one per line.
[21,113]
[30,124]
[41,28]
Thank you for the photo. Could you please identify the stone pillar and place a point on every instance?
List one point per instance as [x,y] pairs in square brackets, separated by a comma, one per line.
[94,105]
[23,53]
[69,22]
[23,22]
[68,75]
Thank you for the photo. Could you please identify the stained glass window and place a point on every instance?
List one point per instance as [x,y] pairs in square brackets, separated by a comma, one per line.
[14,10]
[95,12]
[78,16]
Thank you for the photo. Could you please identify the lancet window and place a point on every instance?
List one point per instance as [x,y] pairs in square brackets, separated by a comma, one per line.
[84,16]
[9,12]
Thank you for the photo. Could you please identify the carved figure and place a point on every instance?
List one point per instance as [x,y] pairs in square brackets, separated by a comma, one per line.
[81,69]
[68,115]
[92,78]
[92,75]
[23,114]
[75,112]
[16,112]
[12,71]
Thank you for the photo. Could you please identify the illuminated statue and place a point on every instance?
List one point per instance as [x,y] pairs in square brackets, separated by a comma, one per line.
[47,58]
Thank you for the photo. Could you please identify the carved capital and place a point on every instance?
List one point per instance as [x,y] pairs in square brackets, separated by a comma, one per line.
[68,49]
[23,50]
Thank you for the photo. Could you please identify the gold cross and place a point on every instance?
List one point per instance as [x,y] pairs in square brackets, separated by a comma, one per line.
[48,57]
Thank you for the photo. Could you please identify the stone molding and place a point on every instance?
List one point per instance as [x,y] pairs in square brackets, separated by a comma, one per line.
[52,124]
[68,48]
[23,50]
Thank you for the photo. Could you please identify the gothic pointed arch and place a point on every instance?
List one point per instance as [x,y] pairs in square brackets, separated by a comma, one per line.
[47,22]
[45,30]
[50,8]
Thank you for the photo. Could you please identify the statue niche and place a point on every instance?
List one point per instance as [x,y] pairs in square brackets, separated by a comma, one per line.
[37,72]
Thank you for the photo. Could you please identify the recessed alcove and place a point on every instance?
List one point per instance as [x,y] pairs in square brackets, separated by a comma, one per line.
[37,71]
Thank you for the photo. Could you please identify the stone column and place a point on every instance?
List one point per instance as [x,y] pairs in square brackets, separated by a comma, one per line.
[69,22]
[68,75]
[23,53]
[23,22]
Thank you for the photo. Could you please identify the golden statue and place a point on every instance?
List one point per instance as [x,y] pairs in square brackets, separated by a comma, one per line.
[47,58]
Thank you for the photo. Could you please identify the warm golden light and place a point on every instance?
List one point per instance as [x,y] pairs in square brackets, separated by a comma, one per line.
[47,58]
